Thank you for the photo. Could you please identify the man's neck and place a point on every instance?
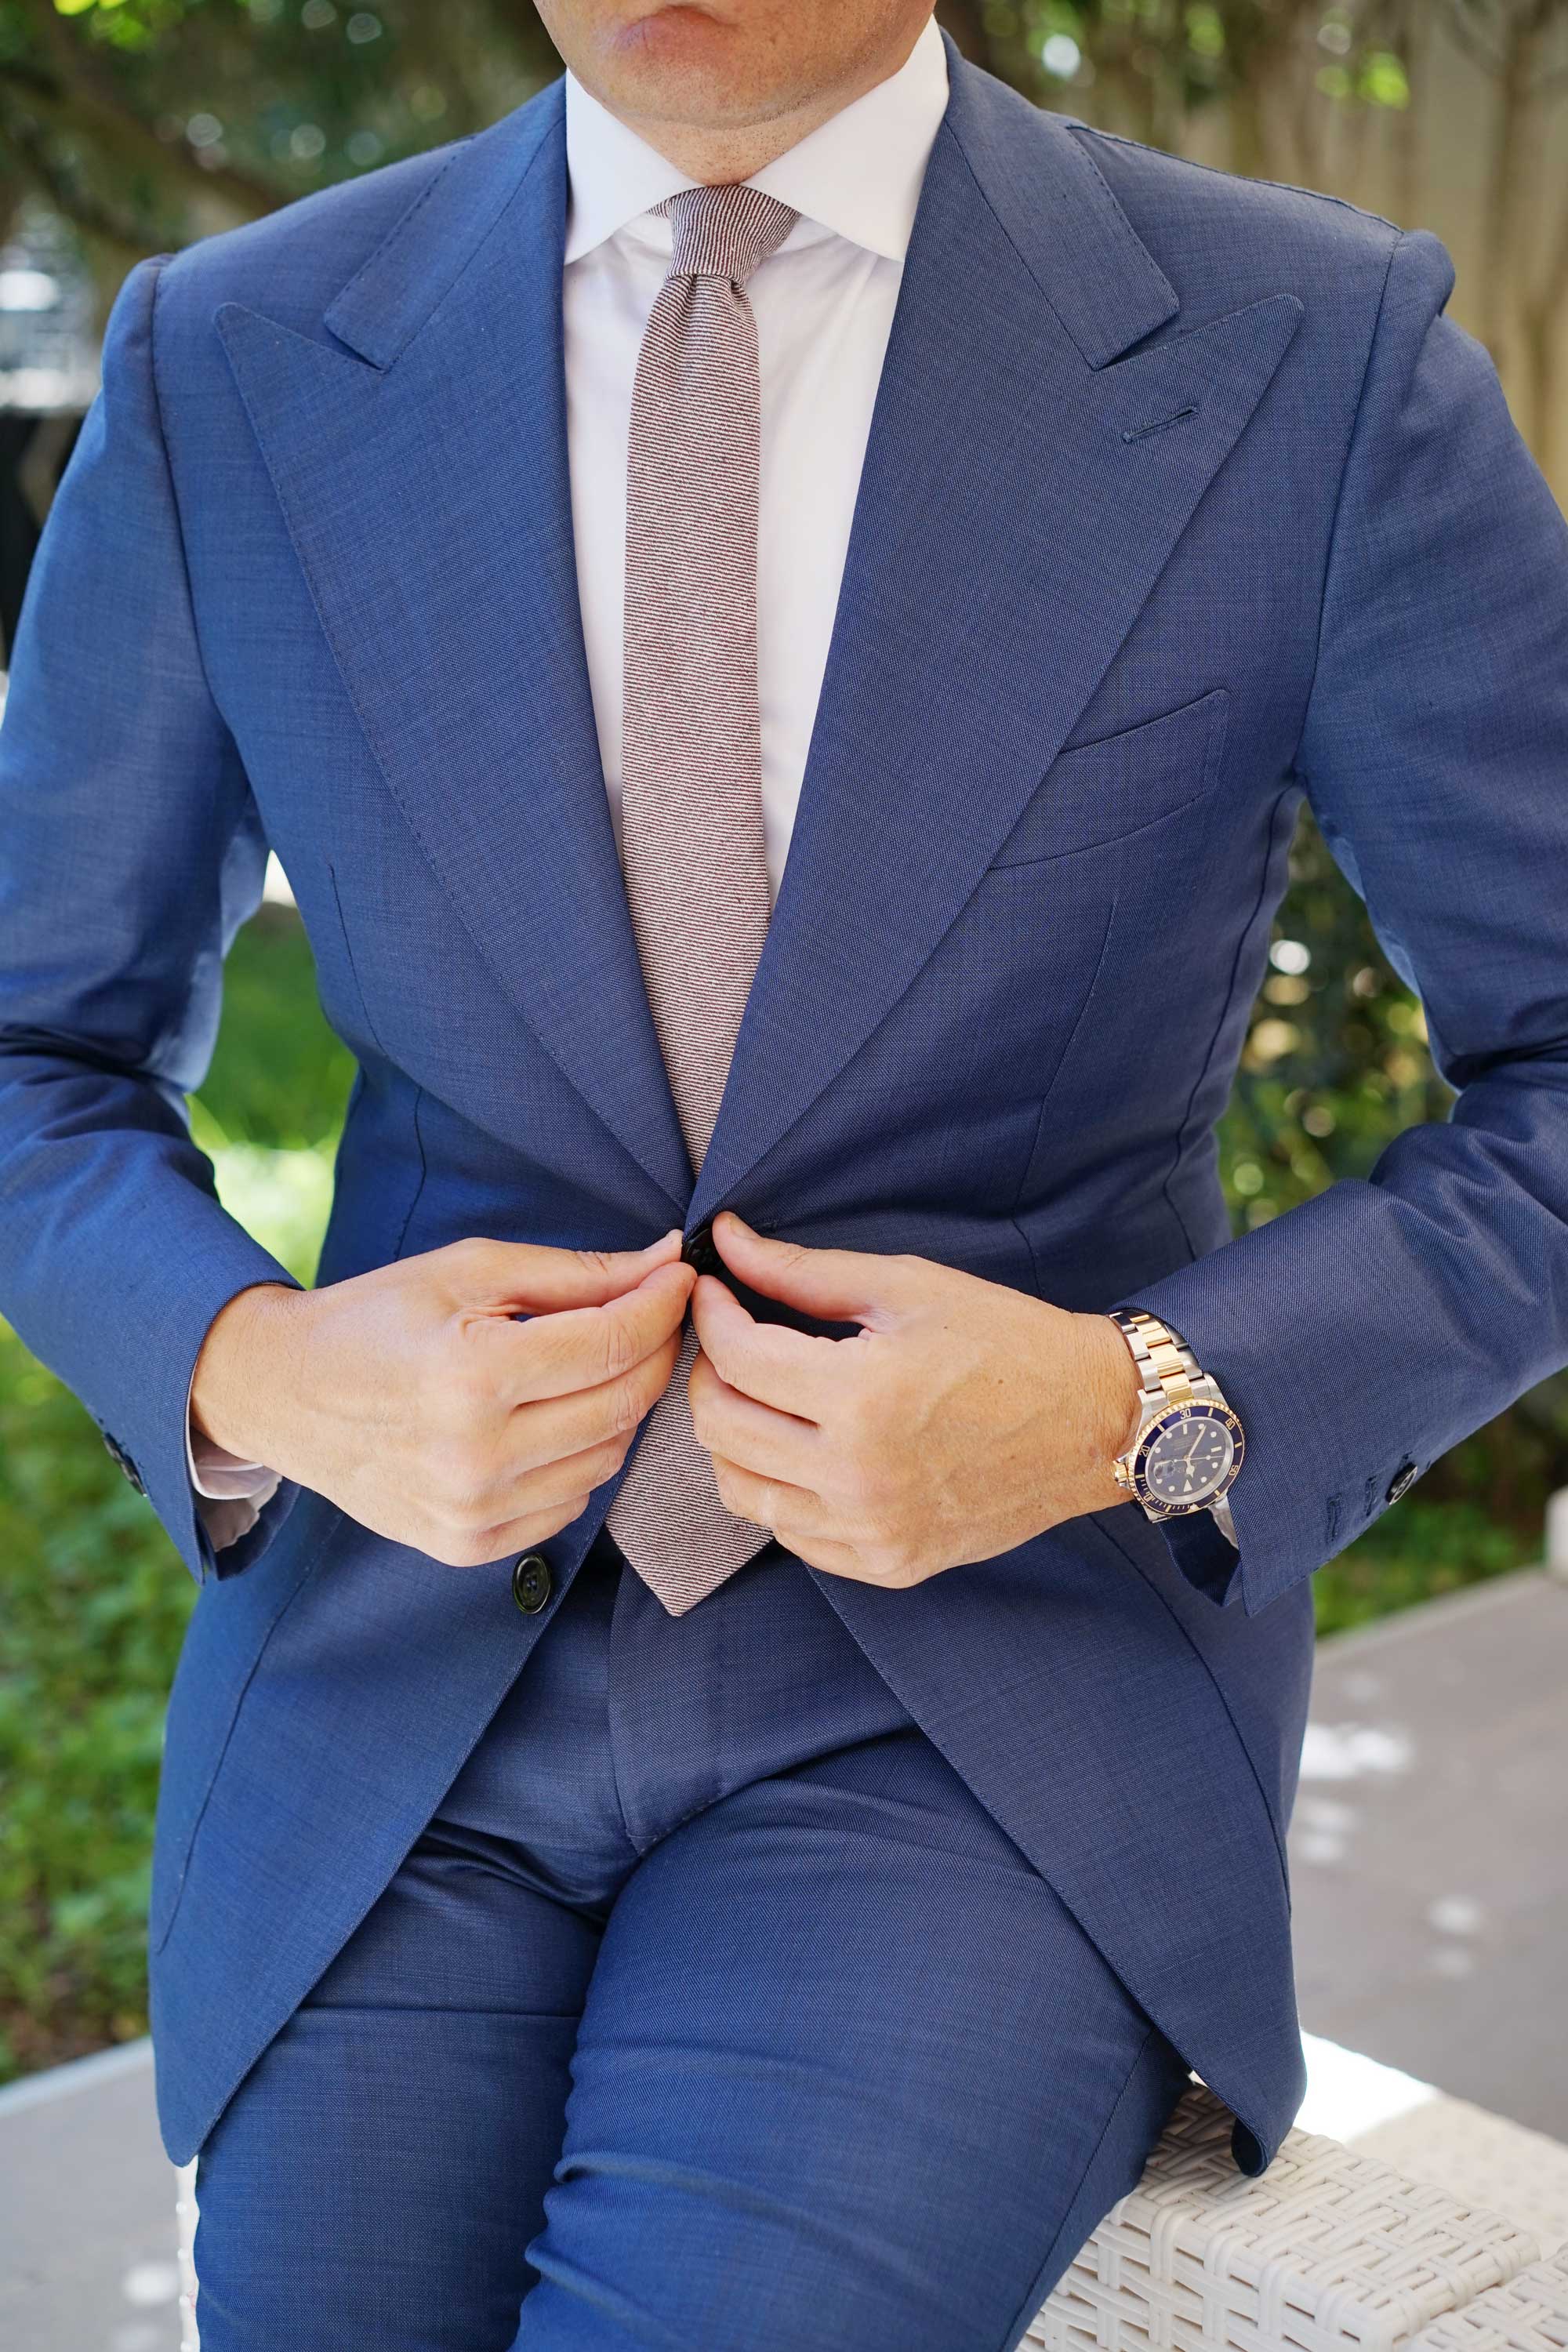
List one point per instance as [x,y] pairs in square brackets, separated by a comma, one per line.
[719,152]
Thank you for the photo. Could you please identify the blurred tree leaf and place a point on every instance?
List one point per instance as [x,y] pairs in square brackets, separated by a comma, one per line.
[152,121]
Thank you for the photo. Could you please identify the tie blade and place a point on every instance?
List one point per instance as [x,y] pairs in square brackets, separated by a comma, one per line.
[668,1516]
[693,843]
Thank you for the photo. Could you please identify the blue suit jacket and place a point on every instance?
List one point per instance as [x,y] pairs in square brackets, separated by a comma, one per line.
[1181,498]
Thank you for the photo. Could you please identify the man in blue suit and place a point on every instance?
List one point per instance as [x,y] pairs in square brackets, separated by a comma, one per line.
[665,1848]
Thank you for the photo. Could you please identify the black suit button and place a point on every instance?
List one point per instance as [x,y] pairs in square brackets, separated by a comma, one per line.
[700,1250]
[531,1583]
[1405,1476]
[117,1454]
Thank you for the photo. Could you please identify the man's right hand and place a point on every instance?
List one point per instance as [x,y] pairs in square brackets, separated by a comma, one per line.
[413,1398]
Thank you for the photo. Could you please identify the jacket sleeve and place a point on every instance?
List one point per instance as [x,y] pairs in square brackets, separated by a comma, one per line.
[1364,1332]
[130,851]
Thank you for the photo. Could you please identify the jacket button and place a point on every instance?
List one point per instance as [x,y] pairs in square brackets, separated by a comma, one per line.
[1405,1476]
[700,1250]
[116,1455]
[531,1583]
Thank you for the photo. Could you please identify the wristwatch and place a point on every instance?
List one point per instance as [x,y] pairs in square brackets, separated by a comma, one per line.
[1187,1446]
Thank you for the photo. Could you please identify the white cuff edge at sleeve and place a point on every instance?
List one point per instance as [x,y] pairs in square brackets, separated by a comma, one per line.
[222,1478]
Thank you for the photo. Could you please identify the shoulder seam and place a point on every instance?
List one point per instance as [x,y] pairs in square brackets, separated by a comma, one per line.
[439,157]
[1340,494]
[156,264]
[1240,179]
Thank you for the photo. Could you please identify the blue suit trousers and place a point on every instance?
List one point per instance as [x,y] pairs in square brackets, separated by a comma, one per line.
[709,2009]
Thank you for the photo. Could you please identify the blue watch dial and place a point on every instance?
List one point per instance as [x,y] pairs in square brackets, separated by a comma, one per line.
[1189,1459]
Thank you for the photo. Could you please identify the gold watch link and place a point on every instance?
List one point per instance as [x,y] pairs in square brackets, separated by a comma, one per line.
[1160,1356]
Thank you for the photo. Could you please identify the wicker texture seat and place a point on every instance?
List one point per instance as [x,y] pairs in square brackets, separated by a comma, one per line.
[1529,2314]
[1327,2248]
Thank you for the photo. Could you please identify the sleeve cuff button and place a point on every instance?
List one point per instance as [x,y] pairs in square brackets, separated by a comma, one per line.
[117,1454]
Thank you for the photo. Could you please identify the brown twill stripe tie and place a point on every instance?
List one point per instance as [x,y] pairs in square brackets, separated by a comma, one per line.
[691,796]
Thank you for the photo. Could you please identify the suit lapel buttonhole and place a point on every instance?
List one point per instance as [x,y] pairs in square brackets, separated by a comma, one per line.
[1159,424]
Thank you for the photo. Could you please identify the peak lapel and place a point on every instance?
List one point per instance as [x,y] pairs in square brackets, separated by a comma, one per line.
[1015,512]
[425,485]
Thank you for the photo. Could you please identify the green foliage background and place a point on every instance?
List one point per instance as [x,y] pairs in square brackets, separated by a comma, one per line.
[94,1598]
[147,121]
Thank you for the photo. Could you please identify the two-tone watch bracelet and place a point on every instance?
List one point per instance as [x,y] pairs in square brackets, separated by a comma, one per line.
[1169,1372]
[1166,1366]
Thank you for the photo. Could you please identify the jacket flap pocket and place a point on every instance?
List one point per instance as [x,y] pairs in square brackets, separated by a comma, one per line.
[1099,792]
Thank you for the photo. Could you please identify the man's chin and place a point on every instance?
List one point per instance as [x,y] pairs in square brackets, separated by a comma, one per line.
[688,65]
[676,43]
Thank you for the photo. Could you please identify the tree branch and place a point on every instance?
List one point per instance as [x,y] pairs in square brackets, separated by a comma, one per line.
[90,99]
[32,149]
[1469,39]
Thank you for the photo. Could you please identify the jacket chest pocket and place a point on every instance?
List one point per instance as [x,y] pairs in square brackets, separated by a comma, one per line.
[1106,791]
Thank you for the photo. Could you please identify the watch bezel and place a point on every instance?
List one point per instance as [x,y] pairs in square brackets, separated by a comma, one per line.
[1200,1409]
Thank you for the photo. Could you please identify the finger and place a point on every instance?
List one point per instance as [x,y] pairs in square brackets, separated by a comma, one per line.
[554,1482]
[839,1285]
[802,1522]
[757,1437]
[586,1347]
[793,1371]
[537,1280]
[509,1537]
[552,1428]
[833,1558]
[785,1510]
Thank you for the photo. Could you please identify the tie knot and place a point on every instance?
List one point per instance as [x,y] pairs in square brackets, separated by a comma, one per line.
[725,231]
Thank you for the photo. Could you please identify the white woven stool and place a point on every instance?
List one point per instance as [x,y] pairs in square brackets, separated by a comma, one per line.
[1480,2158]
[1529,2314]
[1325,2249]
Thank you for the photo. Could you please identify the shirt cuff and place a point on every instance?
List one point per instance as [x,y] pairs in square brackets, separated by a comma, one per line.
[1205,1554]
[231,1493]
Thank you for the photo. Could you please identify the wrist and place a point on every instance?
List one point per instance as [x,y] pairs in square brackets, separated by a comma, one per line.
[237,1380]
[1112,1389]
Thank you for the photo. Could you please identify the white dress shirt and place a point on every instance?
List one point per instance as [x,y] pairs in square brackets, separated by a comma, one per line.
[824,305]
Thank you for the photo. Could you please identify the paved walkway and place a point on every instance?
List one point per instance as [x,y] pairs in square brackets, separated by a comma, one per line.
[87,2220]
[1430,1855]
[1430,1847]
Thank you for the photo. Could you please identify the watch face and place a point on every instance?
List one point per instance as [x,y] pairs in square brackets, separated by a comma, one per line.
[1188,1460]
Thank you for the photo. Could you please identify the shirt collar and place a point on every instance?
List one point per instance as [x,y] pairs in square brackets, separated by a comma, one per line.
[857,174]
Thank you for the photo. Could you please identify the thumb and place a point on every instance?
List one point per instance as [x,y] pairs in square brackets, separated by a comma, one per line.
[839,1285]
[525,1277]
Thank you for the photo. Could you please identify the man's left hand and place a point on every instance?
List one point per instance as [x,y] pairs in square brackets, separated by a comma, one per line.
[963,1418]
